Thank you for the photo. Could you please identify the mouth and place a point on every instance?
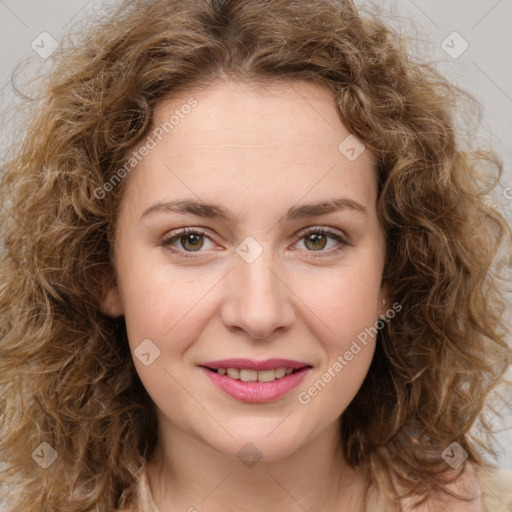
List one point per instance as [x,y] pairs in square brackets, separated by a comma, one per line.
[247,375]
[252,381]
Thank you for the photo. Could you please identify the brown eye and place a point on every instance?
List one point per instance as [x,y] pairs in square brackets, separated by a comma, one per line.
[192,240]
[316,239]
[189,240]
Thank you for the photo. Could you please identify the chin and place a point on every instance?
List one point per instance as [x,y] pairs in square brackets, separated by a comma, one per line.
[260,446]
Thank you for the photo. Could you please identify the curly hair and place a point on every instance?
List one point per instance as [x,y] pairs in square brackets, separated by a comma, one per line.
[66,372]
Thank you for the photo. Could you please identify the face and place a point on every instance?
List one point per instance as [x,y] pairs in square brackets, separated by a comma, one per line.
[259,282]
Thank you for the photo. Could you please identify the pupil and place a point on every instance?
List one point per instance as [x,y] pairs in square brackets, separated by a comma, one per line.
[191,238]
[315,238]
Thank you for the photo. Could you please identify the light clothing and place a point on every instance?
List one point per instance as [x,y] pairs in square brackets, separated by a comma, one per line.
[496,486]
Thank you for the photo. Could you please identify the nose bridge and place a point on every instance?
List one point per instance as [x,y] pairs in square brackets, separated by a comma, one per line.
[259,277]
[259,301]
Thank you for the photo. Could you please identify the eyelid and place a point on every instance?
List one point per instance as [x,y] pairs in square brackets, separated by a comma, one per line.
[326,229]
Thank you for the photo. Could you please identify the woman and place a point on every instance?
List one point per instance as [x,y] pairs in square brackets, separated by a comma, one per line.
[248,267]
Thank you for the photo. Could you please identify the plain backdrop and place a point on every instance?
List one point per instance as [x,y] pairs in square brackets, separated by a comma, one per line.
[470,41]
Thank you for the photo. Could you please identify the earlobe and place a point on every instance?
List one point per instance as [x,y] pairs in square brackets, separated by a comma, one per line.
[111,304]
[384,301]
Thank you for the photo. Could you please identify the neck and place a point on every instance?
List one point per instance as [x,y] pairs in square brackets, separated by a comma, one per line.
[187,474]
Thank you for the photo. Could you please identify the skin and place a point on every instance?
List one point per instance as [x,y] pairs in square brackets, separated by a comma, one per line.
[257,151]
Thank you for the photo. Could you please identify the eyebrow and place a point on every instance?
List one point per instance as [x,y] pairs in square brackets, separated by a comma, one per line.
[217,211]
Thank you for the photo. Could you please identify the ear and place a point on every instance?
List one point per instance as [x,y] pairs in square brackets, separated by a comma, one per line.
[384,300]
[111,304]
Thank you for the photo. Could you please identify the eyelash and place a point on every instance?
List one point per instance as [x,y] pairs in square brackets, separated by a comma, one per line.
[303,234]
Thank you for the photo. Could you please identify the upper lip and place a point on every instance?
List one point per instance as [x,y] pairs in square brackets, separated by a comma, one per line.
[249,364]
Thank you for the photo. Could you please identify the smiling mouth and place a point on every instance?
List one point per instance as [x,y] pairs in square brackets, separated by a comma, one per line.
[246,375]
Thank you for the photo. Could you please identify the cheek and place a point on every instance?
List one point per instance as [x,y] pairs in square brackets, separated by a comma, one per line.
[344,311]
[333,389]
[164,304]
[345,301]
[348,347]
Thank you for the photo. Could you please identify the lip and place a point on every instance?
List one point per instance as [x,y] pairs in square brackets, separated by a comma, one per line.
[254,392]
[249,364]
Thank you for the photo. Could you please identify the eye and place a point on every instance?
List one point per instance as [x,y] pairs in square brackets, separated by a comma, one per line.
[192,240]
[315,240]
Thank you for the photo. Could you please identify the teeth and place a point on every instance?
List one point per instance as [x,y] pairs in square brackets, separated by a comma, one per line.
[253,375]
[234,373]
[280,372]
[266,375]
[249,375]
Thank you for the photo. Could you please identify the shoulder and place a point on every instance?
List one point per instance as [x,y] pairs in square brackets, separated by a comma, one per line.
[487,490]
[146,503]
[496,486]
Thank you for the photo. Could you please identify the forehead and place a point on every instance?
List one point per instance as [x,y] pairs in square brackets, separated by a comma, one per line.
[256,140]
[281,112]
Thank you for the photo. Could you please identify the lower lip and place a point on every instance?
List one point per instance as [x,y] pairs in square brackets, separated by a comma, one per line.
[257,391]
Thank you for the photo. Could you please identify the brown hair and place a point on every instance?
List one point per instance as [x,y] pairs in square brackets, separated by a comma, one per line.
[66,373]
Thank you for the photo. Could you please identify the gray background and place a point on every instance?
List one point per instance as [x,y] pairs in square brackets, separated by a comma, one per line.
[484,68]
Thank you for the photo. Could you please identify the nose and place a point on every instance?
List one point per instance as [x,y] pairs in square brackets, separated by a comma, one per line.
[257,298]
